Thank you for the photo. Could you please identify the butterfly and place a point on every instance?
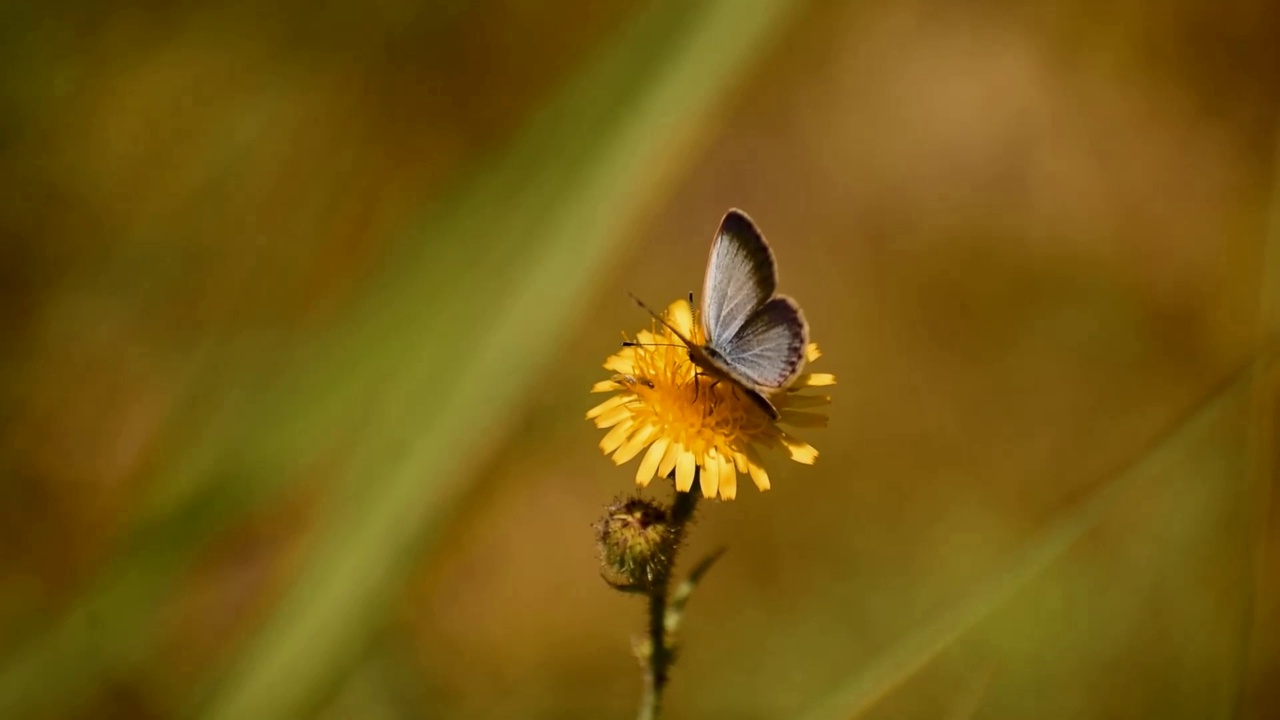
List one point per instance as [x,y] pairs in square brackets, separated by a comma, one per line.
[755,338]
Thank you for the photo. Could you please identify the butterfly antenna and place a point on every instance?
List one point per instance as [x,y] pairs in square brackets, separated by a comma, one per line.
[646,308]
[683,338]
[633,343]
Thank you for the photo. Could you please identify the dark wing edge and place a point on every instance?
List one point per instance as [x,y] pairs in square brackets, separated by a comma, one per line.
[741,276]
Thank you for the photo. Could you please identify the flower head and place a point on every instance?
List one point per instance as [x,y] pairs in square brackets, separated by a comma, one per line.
[685,421]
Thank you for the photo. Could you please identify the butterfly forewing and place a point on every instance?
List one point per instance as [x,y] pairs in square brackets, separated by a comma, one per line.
[741,277]
[768,350]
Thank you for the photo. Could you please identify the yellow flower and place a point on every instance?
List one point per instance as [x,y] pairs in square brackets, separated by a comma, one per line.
[689,421]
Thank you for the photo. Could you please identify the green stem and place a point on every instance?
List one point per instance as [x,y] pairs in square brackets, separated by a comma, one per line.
[660,650]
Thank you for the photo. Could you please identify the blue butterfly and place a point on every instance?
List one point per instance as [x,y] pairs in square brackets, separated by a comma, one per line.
[755,338]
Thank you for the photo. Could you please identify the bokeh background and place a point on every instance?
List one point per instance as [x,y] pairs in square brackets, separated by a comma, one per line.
[301,303]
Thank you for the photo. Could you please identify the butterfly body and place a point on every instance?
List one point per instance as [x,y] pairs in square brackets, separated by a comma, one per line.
[753,337]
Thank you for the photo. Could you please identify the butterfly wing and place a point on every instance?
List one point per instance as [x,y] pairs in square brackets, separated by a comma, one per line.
[741,277]
[767,352]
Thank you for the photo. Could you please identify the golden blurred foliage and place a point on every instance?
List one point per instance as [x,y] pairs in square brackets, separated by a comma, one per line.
[302,304]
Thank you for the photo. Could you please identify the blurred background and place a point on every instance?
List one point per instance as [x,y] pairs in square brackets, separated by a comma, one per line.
[301,304]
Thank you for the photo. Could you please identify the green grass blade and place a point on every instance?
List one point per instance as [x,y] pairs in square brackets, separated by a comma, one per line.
[424,365]
[1260,626]
[602,150]
[915,651]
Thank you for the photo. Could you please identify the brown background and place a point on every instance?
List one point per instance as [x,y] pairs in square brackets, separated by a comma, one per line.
[1029,239]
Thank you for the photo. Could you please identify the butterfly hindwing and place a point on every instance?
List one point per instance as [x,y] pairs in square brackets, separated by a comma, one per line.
[741,277]
[767,351]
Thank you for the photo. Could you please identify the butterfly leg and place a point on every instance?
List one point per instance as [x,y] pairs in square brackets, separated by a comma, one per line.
[712,396]
[698,374]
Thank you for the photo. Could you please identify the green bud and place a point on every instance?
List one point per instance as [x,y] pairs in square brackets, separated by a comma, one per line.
[634,538]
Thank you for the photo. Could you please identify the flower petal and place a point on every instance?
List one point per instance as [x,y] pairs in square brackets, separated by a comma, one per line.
[621,364]
[814,380]
[796,400]
[608,405]
[685,465]
[728,479]
[669,459]
[811,352]
[680,315]
[613,417]
[615,437]
[801,451]
[633,446]
[649,463]
[709,478]
[754,466]
[605,386]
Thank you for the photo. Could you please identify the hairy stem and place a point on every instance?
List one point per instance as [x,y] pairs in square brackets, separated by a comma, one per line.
[660,650]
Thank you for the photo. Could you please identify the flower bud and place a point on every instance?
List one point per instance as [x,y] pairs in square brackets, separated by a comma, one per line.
[633,537]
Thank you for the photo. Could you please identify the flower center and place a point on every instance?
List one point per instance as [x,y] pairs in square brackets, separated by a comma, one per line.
[699,410]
